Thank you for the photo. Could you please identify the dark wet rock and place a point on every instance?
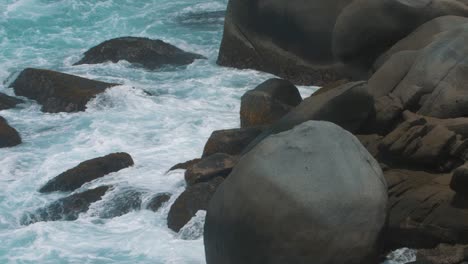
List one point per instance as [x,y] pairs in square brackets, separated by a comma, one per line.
[230,141]
[157,201]
[193,199]
[348,106]
[459,182]
[216,165]
[9,137]
[273,206]
[184,165]
[371,143]
[66,209]
[88,171]
[120,203]
[268,102]
[421,211]
[443,254]
[56,91]
[7,102]
[148,53]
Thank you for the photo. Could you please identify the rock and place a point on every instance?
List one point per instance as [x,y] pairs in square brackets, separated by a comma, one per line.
[291,39]
[148,53]
[357,42]
[9,137]
[66,209]
[417,142]
[157,201]
[371,143]
[309,195]
[348,106]
[7,102]
[268,102]
[184,165]
[57,92]
[230,141]
[88,171]
[443,254]
[421,211]
[429,82]
[193,199]
[120,203]
[216,165]
[459,182]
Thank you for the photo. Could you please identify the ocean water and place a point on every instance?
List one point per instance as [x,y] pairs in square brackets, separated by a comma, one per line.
[160,117]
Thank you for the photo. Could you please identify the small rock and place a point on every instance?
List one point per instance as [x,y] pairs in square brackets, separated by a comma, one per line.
[230,141]
[216,165]
[66,209]
[121,203]
[268,102]
[87,171]
[149,53]
[9,137]
[157,201]
[7,102]
[459,182]
[193,199]
[184,165]
[56,91]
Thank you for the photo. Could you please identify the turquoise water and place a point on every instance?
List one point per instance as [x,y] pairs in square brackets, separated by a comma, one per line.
[159,130]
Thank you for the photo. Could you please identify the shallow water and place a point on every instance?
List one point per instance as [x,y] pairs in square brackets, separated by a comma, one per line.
[159,117]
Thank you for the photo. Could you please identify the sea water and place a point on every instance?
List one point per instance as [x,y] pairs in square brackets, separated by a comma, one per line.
[160,117]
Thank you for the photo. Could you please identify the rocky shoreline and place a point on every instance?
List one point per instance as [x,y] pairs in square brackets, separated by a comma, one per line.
[373,161]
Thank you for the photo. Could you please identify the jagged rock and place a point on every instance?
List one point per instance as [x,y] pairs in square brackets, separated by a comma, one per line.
[56,91]
[268,102]
[157,201]
[289,198]
[422,214]
[148,53]
[68,208]
[230,141]
[348,106]
[7,102]
[120,203]
[9,137]
[87,171]
[417,142]
[184,165]
[193,199]
[216,165]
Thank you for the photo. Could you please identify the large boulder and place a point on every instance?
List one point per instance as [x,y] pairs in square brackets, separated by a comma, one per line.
[309,195]
[357,42]
[230,141]
[268,102]
[7,102]
[56,91]
[348,106]
[291,39]
[193,199]
[66,209]
[9,137]
[145,52]
[88,171]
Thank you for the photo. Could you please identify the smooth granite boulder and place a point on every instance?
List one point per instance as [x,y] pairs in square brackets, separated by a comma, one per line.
[309,195]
